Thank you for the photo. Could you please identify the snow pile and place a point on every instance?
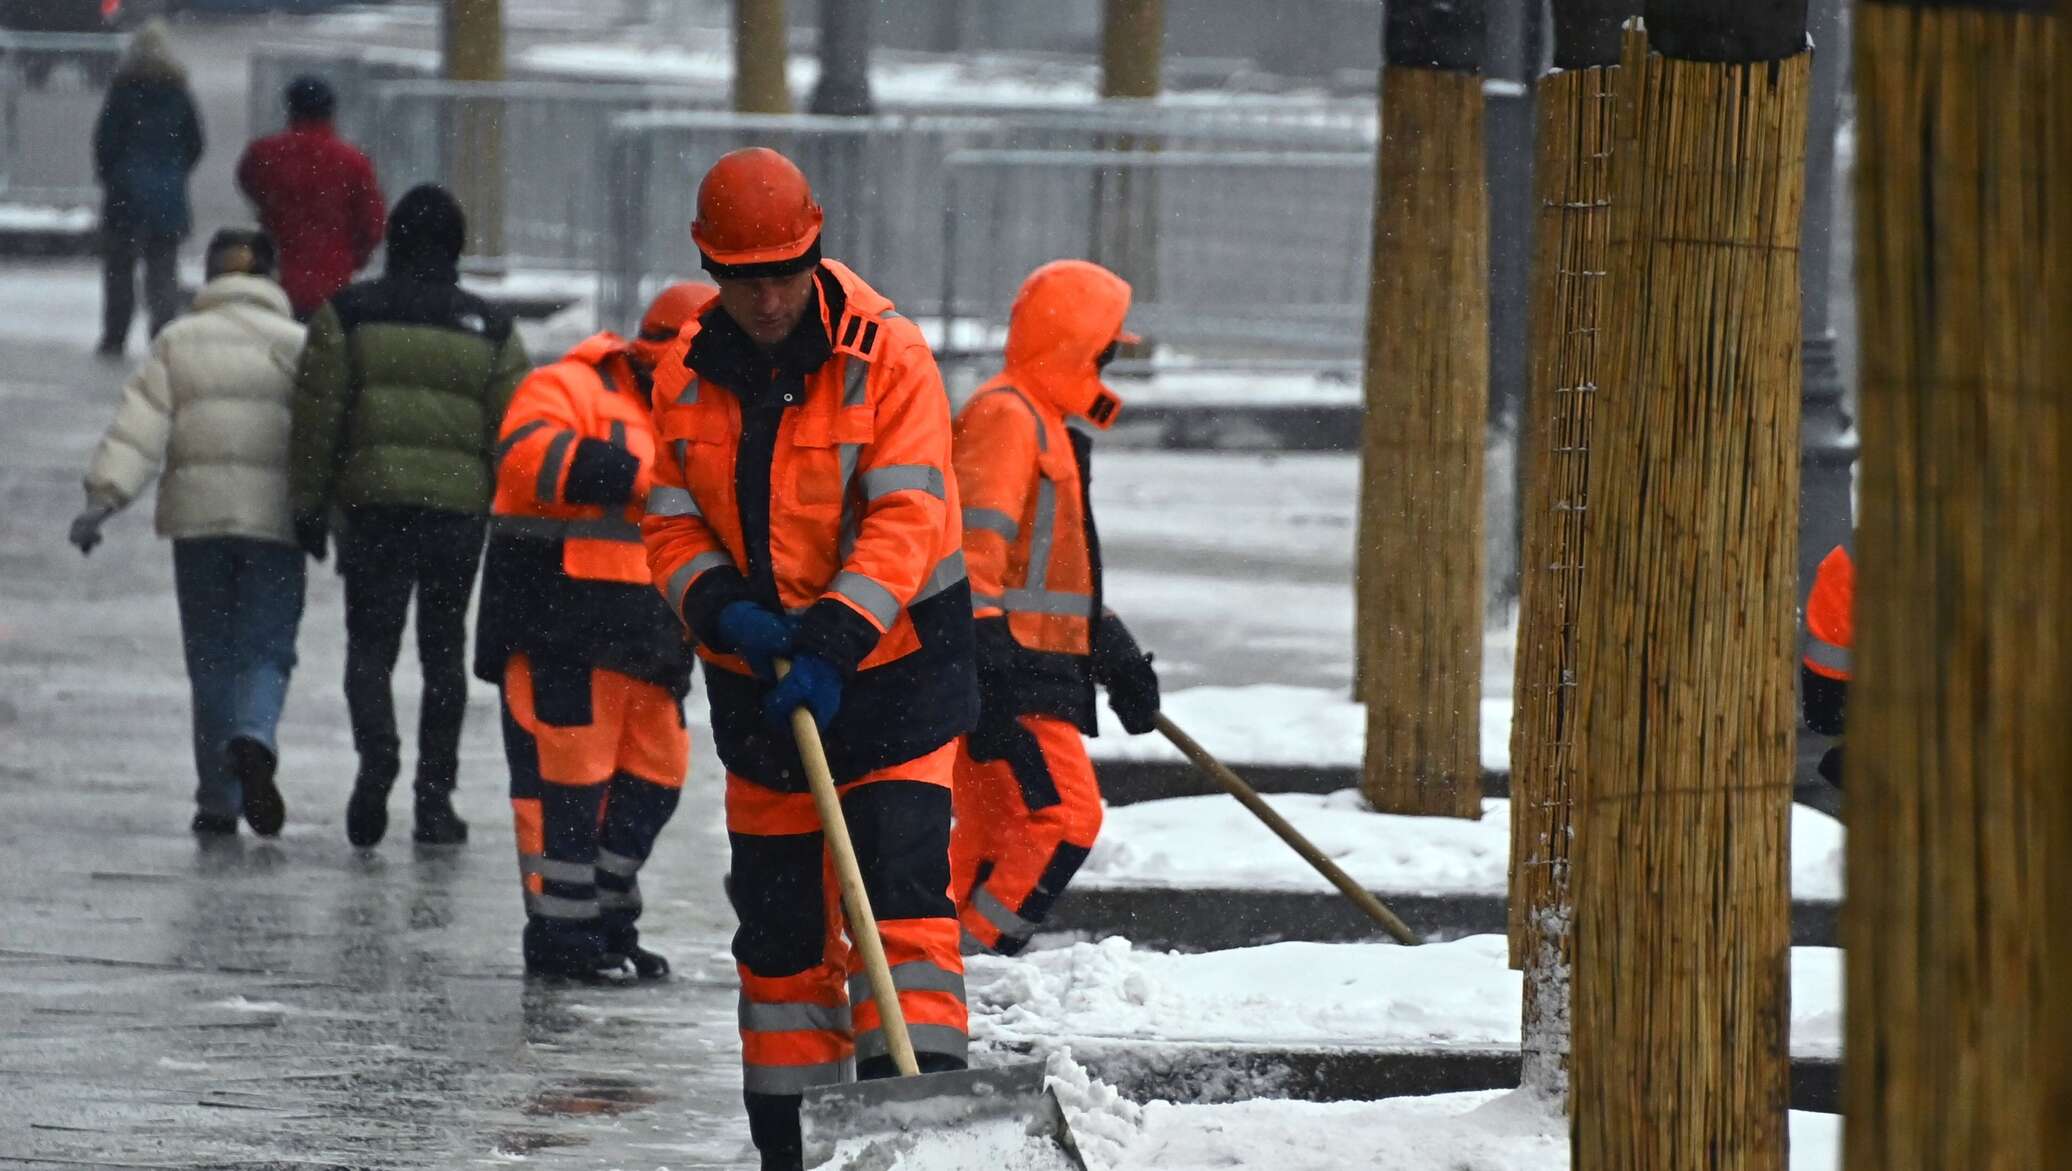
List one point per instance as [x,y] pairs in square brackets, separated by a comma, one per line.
[968,80]
[36,217]
[1301,995]
[1270,723]
[1213,843]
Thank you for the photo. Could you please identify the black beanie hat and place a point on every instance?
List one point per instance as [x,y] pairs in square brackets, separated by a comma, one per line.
[427,231]
[311,97]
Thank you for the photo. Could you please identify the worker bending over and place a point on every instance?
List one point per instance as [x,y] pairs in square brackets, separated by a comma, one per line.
[1825,673]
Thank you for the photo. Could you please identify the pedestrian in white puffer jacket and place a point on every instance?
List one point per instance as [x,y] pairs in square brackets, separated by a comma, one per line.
[210,406]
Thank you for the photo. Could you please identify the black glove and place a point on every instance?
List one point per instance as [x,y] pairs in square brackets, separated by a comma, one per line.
[1124,668]
[313,533]
[1831,765]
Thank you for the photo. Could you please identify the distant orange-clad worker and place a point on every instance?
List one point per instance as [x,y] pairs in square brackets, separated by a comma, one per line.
[805,509]
[1028,805]
[1826,670]
[592,666]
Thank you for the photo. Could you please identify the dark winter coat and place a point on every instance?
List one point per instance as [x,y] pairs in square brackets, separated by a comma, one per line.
[146,142]
[316,195]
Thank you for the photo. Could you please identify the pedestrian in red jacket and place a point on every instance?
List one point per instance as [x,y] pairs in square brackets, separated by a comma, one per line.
[316,196]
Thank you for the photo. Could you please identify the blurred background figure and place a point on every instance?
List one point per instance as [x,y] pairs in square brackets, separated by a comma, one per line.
[147,141]
[210,407]
[316,194]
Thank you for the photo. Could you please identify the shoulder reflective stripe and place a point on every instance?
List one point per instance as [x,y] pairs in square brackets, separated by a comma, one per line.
[903,478]
[556,907]
[870,337]
[890,315]
[986,903]
[792,1017]
[524,432]
[992,520]
[680,581]
[1821,653]
[943,1039]
[618,864]
[672,502]
[555,869]
[1049,602]
[948,572]
[619,434]
[689,394]
[794,1079]
[856,374]
[551,467]
[874,599]
[1035,416]
[911,976]
[849,331]
[541,528]
[1042,532]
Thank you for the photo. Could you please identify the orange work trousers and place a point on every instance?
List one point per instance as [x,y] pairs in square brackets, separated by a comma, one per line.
[1024,824]
[597,765]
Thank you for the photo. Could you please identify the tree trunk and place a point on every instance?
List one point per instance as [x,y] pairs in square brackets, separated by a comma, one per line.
[2054,1047]
[761,51]
[1957,721]
[1420,551]
[472,37]
[1572,244]
[1682,929]
[1132,48]
[844,87]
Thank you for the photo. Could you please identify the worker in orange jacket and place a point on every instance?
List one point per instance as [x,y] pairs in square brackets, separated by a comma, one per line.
[1028,805]
[592,666]
[804,510]
[1824,673]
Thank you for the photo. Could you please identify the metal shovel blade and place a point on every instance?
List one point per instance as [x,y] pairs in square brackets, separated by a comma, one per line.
[892,1115]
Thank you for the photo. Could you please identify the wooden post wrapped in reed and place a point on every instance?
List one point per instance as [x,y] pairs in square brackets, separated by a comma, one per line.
[760,54]
[1427,395]
[1957,718]
[1687,621]
[2054,1036]
[1571,245]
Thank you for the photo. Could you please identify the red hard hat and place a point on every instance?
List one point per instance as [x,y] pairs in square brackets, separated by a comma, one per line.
[672,307]
[755,208]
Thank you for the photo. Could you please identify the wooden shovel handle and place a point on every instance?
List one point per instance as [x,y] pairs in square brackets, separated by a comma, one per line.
[863,925]
[1249,797]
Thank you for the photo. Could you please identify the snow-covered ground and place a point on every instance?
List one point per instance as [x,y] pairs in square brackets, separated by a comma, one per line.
[1266,723]
[1303,995]
[1212,842]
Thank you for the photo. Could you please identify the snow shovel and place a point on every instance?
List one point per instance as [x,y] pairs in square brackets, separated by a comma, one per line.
[1249,797]
[895,1113]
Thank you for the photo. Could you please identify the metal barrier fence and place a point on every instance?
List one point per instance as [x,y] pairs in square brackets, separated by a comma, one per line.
[51,87]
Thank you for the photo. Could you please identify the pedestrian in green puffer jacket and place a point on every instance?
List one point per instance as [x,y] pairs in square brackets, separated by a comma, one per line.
[401,391]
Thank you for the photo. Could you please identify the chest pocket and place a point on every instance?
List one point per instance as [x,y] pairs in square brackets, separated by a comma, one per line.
[825,447]
[700,438]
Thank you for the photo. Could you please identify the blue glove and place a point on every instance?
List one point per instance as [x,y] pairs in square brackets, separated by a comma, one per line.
[756,634]
[813,683]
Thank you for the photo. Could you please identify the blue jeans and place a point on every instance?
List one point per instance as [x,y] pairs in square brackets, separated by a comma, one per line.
[240,606]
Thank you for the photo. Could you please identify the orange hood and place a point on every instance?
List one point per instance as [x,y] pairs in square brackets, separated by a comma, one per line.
[1067,312]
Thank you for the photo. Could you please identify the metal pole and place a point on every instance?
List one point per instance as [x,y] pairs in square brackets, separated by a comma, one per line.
[845,57]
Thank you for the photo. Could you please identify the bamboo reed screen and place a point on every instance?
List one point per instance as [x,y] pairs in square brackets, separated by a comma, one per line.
[1420,553]
[1958,707]
[1687,627]
[1572,240]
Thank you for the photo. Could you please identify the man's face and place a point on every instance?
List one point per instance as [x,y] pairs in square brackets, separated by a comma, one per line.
[767,308]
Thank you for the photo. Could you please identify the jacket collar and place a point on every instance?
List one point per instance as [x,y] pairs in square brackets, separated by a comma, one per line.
[723,353]
[239,288]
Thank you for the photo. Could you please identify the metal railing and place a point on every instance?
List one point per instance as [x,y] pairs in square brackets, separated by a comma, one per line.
[51,89]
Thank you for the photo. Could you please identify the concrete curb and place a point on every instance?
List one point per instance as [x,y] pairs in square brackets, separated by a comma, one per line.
[48,243]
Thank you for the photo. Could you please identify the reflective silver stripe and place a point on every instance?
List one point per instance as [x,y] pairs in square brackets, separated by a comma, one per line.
[998,915]
[926,1038]
[876,600]
[519,436]
[541,528]
[902,478]
[689,394]
[795,1079]
[792,1017]
[889,315]
[981,601]
[618,900]
[618,864]
[672,502]
[683,458]
[1822,653]
[948,572]
[1042,532]
[555,870]
[1048,602]
[1036,417]
[992,520]
[551,467]
[688,572]
[856,375]
[556,907]
[845,541]
[912,976]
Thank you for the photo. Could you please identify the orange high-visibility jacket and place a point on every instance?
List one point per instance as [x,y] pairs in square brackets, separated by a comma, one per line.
[566,574]
[1831,617]
[816,480]
[1029,536]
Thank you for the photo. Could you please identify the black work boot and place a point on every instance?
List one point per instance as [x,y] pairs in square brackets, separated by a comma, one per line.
[574,955]
[437,823]
[366,812]
[213,825]
[253,764]
[647,965]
